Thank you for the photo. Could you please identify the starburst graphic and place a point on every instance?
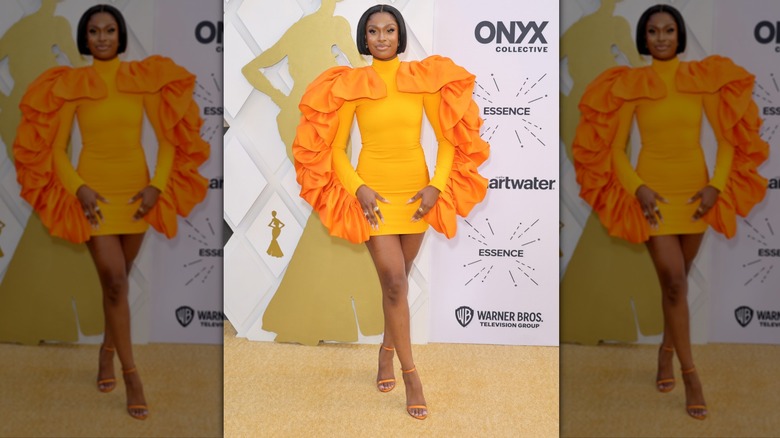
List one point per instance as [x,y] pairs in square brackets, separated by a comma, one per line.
[767,94]
[208,94]
[517,269]
[206,236]
[526,131]
[762,233]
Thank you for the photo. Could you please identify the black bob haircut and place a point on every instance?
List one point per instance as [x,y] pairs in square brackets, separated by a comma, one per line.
[641,28]
[362,44]
[81,36]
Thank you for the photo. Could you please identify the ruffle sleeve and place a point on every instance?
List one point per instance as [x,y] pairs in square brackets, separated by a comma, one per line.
[180,120]
[339,210]
[618,210]
[740,123]
[59,211]
[460,123]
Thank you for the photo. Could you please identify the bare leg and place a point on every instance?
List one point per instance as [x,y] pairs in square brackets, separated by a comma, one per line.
[410,248]
[113,256]
[672,257]
[390,254]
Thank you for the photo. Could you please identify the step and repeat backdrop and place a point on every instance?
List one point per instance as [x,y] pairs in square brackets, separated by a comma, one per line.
[48,288]
[609,289]
[495,282]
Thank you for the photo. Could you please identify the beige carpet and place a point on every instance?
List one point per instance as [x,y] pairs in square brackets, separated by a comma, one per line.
[285,390]
[609,390]
[50,390]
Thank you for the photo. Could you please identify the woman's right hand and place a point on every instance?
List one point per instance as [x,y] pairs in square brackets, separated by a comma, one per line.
[368,198]
[89,199]
[648,202]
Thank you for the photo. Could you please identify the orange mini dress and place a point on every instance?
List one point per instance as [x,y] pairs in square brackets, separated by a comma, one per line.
[109,99]
[667,99]
[389,98]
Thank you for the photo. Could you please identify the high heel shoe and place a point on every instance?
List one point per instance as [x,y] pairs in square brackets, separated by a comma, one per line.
[380,384]
[410,407]
[665,385]
[692,409]
[106,385]
[139,412]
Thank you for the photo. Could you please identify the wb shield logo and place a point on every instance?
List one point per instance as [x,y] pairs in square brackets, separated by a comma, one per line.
[464,315]
[184,315]
[744,315]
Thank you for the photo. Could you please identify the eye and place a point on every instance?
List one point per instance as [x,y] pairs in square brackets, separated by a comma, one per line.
[371,31]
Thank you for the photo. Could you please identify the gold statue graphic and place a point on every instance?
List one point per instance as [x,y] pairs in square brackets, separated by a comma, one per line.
[609,286]
[46,275]
[274,250]
[326,276]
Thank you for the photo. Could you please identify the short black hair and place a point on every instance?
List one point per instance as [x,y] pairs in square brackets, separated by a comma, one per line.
[362,44]
[641,28]
[81,36]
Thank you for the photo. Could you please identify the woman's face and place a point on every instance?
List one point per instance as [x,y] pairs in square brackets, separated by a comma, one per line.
[103,36]
[382,36]
[661,35]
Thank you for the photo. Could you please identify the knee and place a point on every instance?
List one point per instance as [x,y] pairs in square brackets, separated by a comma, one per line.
[675,288]
[115,288]
[395,287]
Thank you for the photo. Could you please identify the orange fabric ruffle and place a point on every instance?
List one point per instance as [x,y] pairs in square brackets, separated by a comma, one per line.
[339,210]
[60,211]
[619,210]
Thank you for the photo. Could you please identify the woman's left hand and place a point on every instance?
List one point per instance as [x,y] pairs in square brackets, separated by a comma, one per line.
[428,196]
[708,195]
[148,196]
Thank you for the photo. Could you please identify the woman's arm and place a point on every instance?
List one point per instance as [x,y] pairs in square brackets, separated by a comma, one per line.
[446,151]
[62,164]
[165,150]
[625,172]
[342,165]
[725,148]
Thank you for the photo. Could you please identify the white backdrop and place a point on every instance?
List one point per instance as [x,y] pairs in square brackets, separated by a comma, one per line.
[160,280]
[746,270]
[501,270]
[255,161]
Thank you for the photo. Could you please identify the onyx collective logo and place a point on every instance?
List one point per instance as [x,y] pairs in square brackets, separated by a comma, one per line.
[512,36]
[184,315]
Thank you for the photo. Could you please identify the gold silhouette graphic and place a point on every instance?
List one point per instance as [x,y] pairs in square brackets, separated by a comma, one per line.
[274,250]
[326,276]
[609,287]
[46,276]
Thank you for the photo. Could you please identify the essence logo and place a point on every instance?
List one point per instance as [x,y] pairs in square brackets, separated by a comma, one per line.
[184,315]
[464,315]
[767,254]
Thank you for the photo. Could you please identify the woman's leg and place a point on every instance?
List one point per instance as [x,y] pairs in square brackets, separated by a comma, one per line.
[393,255]
[672,257]
[410,244]
[113,256]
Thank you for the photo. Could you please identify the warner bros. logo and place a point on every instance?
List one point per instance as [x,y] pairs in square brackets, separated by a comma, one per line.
[464,315]
[184,315]
[744,315]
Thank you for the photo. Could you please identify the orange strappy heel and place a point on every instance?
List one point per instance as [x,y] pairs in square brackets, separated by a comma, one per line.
[691,409]
[139,412]
[410,407]
[380,383]
[106,385]
[665,385]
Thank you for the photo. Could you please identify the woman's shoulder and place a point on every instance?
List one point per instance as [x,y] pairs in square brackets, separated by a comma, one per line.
[65,82]
[151,74]
[711,74]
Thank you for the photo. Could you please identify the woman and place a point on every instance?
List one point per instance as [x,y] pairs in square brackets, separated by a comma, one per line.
[383,201]
[669,199]
[103,201]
